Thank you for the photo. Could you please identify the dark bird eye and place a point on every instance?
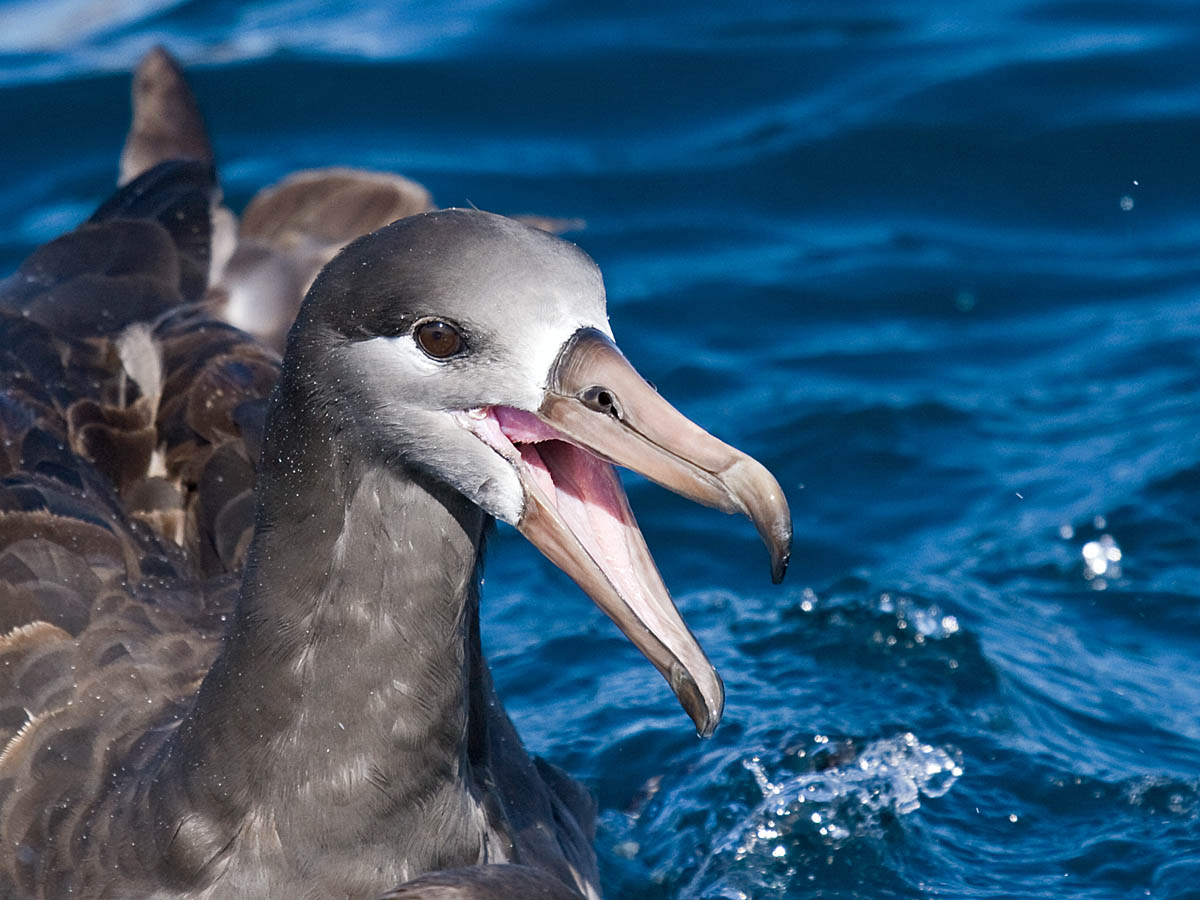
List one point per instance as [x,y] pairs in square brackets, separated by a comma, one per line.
[439,339]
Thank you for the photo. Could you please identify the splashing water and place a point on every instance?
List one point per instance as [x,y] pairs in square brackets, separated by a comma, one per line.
[828,807]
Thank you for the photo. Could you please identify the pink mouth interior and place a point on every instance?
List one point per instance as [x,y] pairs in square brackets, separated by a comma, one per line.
[583,488]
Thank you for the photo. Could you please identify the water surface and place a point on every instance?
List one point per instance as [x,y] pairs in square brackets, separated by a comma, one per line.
[936,264]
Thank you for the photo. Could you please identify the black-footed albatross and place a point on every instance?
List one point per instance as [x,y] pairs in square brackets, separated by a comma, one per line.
[324,726]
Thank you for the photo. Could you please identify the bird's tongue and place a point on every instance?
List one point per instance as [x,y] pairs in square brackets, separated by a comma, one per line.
[583,488]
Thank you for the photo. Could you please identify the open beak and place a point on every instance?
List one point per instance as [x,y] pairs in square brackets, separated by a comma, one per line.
[598,410]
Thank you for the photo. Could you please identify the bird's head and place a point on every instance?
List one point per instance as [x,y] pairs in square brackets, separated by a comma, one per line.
[477,350]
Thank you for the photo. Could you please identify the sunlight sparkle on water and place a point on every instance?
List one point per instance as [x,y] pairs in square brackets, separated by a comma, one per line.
[1102,557]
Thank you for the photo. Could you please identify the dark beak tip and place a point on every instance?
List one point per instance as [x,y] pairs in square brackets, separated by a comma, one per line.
[754,492]
[779,542]
[779,568]
[705,712]
[707,720]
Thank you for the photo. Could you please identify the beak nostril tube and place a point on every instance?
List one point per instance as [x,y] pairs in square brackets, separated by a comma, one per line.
[601,400]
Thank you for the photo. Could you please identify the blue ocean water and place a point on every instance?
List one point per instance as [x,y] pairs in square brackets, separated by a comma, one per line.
[937,265]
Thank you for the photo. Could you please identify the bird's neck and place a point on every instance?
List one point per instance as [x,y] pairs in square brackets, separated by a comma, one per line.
[339,706]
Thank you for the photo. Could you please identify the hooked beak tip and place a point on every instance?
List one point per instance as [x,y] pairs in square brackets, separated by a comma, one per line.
[705,712]
[759,496]
[779,566]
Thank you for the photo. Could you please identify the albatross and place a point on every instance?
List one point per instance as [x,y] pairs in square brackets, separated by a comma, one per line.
[243,657]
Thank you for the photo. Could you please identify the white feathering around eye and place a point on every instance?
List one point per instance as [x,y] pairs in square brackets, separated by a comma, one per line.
[542,348]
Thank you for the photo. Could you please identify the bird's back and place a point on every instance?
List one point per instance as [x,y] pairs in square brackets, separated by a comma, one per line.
[128,423]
